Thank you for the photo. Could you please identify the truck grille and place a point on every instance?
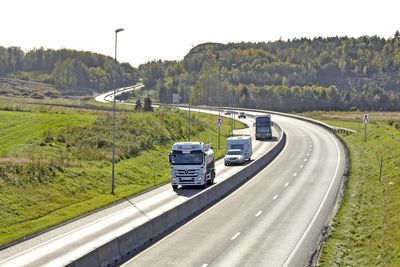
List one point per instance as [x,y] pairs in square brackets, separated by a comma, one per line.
[186,173]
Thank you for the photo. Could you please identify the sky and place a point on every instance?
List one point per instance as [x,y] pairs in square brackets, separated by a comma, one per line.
[167,29]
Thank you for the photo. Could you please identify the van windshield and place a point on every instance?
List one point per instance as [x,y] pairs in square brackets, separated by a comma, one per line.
[195,157]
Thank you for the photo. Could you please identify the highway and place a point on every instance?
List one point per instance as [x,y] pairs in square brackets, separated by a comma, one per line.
[68,242]
[272,220]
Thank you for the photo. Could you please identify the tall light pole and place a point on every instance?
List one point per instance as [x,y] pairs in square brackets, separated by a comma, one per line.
[189,89]
[113,133]
[233,95]
[219,109]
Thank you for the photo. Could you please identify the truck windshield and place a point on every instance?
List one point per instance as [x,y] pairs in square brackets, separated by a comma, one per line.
[234,152]
[263,129]
[195,157]
[263,122]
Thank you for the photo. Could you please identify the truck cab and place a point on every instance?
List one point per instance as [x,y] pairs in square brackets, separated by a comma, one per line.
[192,164]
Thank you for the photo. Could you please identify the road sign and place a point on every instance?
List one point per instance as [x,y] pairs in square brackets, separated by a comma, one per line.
[219,121]
[365,118]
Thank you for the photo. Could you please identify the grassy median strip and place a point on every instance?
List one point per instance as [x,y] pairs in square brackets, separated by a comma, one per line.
[366,230]
[54,167]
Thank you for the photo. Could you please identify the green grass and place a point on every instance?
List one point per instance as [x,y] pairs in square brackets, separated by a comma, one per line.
[58,166]
[366,229]
[19,129]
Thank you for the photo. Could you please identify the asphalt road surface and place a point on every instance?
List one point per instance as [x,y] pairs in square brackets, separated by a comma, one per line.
[270,220]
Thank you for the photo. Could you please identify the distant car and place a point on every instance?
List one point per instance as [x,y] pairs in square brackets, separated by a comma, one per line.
[242,115]
[227,112]
[234,156]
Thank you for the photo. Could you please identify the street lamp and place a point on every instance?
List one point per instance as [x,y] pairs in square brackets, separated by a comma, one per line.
[113,133]
[233,96]
[219,109]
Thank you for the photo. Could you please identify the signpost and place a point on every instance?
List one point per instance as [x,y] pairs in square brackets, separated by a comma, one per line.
[365,120]
[219,123]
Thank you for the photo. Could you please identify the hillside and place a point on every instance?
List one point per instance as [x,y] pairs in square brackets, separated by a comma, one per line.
[337,73]
[67,70]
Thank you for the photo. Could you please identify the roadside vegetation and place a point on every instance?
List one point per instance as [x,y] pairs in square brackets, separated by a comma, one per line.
[56,165]
[366,229]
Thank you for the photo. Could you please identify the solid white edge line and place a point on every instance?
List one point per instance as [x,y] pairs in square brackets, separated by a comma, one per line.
[289,259]
[235,236]
[209,209]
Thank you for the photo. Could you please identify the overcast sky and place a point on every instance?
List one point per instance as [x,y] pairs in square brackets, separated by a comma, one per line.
[166,29]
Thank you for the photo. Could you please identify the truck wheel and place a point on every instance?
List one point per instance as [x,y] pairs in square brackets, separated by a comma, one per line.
[174,187]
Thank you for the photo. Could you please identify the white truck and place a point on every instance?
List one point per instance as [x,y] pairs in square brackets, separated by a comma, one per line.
[192,164]
[240,142]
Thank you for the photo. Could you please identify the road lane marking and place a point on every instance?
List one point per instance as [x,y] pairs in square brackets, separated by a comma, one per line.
[235,236]
[310,150]
[295,174]
[305,159]
[286,185]
[308,154]
[210,209]
[204,265]
[310,225]
[275,197]
[301,166]
[259,213]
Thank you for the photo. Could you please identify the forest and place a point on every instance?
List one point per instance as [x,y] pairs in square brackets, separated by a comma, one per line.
[66,68]
[334,73]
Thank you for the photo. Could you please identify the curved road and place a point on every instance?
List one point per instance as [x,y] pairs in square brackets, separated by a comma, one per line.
[68,242]
[272,220]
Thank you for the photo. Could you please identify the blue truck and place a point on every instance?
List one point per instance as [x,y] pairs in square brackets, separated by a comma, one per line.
[263,126]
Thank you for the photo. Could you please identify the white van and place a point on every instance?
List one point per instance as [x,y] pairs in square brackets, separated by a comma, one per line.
[240,142]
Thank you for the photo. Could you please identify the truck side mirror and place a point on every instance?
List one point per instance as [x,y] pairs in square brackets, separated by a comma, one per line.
[272,123]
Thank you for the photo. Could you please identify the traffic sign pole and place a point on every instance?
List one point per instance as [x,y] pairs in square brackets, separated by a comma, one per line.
[219,123]
[365,120]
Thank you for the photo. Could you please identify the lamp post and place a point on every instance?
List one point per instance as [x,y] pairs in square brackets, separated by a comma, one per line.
[113,132]
[219,109]
[189,90]
[233,96]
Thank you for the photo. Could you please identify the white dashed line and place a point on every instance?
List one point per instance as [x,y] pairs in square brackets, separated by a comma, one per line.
[301,166]
[259,213]
[305,159]
[310,150]
[204,265]
[308,154]
[275,197]
[295,174]
[286,185]
[235,236]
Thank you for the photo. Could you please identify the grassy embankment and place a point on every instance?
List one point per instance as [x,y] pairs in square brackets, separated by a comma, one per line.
[366,230]
[55,166]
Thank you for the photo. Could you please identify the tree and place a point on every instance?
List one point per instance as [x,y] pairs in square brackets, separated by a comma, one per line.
[147,105]
[138,105]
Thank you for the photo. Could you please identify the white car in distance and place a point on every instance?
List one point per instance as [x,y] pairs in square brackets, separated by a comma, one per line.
[234,156]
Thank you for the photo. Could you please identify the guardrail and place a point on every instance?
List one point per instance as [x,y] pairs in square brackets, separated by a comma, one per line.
[121,247]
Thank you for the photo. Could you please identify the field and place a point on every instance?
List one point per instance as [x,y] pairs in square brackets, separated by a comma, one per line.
[55,163]
[366,230]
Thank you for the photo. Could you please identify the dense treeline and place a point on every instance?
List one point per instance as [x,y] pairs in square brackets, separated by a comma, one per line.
[336,73]
[66,68]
